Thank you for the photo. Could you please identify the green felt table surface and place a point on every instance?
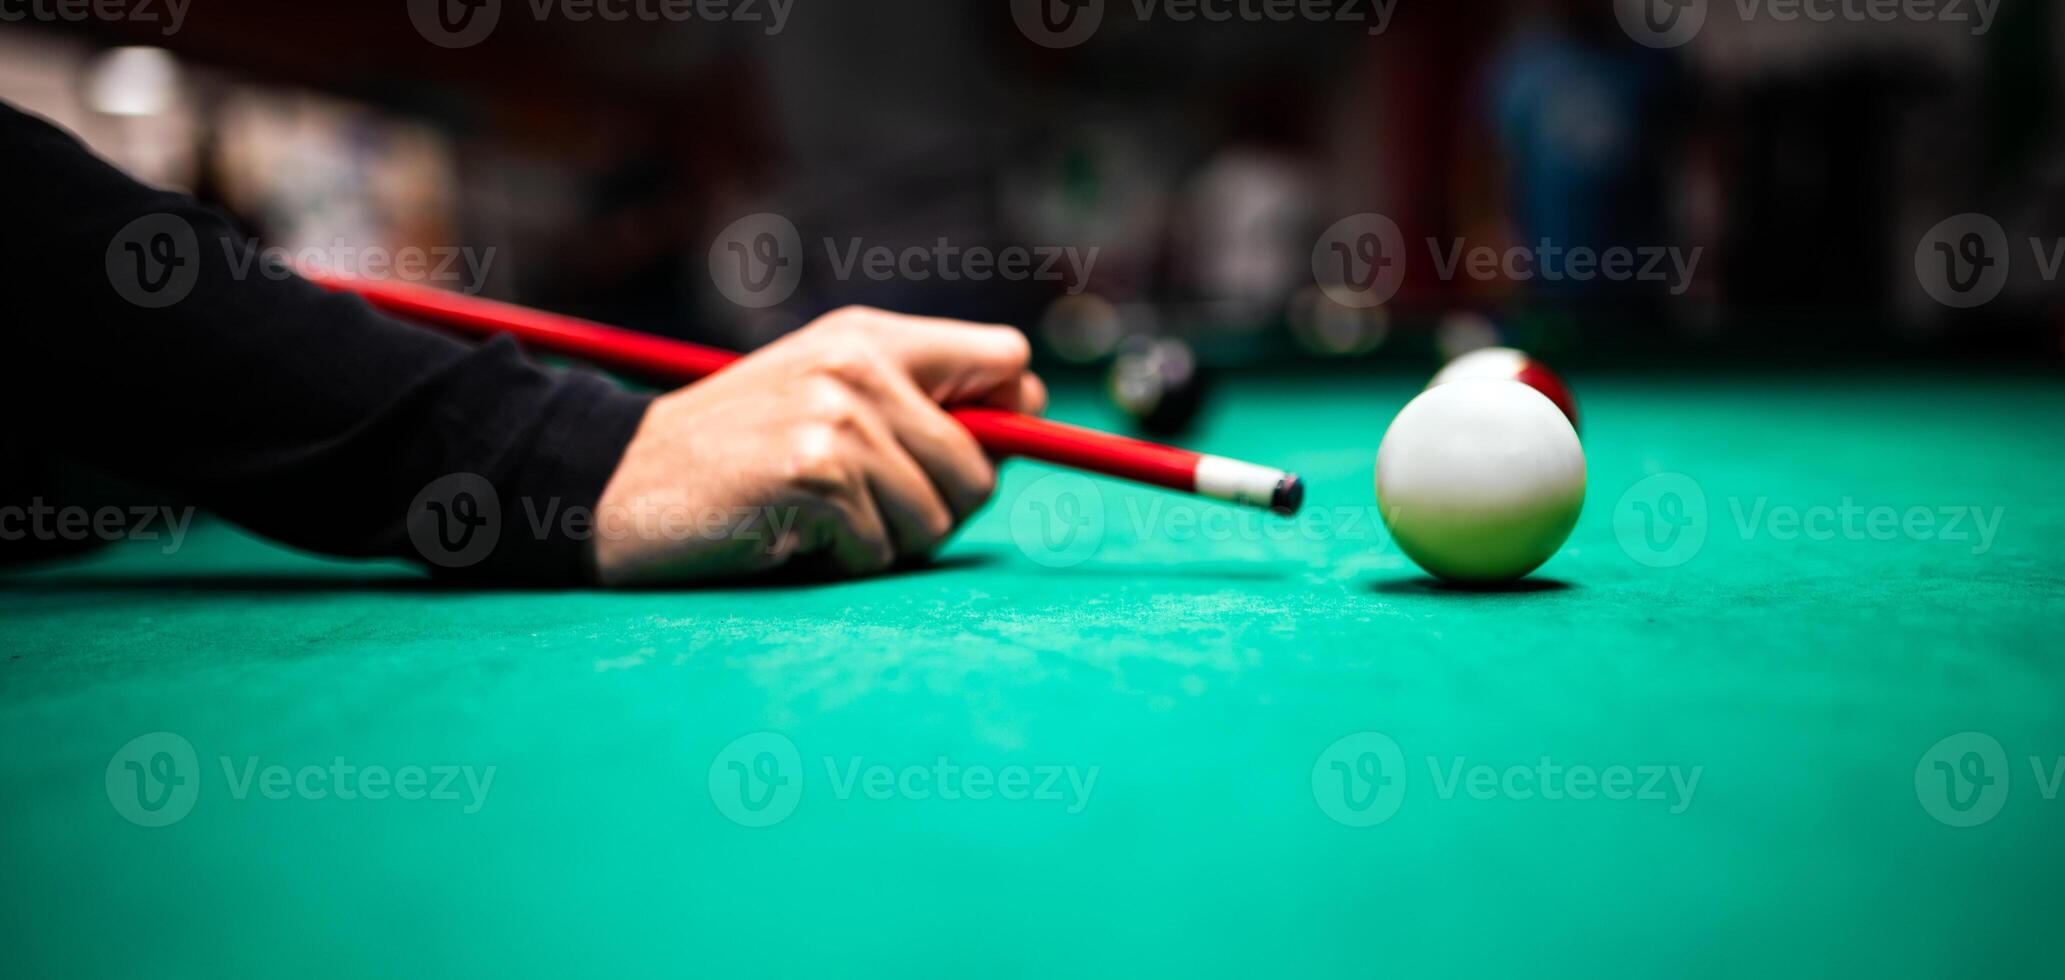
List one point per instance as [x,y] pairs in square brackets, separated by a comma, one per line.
[1112,731]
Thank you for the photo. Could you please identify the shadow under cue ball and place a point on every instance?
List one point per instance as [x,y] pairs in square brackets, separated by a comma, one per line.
[1480,480]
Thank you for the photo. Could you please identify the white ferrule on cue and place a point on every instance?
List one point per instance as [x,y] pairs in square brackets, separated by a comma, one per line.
[1236,482]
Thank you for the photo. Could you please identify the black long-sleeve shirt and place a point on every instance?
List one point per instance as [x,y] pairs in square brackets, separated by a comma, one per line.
[300,414]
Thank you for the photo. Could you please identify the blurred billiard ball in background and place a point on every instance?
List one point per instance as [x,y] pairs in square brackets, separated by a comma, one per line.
[1159,384]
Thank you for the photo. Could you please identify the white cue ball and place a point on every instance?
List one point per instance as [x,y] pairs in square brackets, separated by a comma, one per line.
[1480,480]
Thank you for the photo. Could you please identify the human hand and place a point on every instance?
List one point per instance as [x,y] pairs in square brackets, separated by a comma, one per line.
[827,448]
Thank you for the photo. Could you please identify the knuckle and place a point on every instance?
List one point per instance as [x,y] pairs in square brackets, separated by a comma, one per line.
[845,319]
[857,367]
[814,459]
[829,399]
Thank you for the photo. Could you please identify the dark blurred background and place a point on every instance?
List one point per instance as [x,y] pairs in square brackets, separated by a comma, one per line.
[1205,160]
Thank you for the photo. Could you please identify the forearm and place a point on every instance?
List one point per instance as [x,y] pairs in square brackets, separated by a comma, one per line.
[303,415]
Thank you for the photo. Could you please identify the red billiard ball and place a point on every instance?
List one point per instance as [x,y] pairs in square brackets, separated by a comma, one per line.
[1513,365]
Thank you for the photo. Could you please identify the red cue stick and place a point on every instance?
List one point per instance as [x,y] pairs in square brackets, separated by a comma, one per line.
[1001,432]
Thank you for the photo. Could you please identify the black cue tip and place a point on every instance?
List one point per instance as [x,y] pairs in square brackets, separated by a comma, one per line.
[1288,496]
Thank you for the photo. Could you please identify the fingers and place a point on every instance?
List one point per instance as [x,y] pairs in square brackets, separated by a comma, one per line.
[1030,396]
[883,470]
[915,513]
[851,533]
[953,361]
[952,461]
[875,501]
[839,517]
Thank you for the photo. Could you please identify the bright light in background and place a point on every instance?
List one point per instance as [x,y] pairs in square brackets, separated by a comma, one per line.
[132,82]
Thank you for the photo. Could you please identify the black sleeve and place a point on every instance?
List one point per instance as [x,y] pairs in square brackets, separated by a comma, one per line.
[142,343]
